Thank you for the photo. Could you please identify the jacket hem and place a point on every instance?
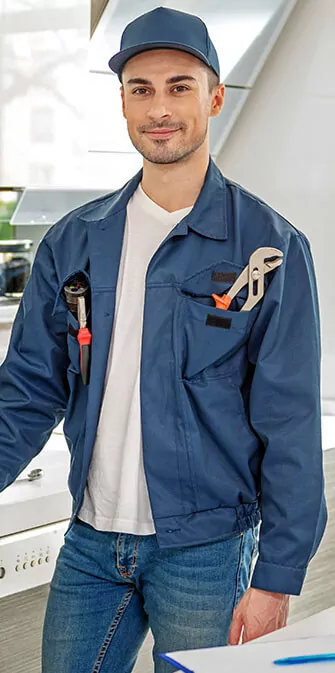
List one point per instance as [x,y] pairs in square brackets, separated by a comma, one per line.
[210,525]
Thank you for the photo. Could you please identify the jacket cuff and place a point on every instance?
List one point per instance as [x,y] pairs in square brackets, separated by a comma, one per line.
[280,579]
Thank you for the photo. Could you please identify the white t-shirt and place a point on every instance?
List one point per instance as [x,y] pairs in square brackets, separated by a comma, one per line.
[116,496]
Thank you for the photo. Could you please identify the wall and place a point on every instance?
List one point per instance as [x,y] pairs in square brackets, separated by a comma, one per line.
[282,148]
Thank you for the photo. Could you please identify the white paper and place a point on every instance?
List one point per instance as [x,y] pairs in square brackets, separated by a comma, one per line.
[258,658]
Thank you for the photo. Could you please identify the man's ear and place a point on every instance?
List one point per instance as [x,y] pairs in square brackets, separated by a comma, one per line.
[122,99]
[217,100]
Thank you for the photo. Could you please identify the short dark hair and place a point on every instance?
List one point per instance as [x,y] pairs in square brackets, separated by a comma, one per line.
[213,79]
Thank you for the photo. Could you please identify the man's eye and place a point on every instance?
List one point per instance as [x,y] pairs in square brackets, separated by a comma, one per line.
[140,91]
[180,87]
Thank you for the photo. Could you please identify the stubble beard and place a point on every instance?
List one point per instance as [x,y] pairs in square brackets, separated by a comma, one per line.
[162,154]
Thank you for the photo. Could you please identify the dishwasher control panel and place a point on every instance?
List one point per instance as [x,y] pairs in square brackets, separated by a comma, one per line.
[28,559]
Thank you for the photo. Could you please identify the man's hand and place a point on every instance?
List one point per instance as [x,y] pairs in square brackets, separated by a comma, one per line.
[259,612]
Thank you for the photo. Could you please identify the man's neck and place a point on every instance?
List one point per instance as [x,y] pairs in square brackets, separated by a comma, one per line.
[175,186]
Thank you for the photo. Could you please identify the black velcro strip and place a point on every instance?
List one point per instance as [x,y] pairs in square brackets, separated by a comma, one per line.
[223,276]
[72,331]
[217,321]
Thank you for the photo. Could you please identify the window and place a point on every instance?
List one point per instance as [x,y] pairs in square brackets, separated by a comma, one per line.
[42,125]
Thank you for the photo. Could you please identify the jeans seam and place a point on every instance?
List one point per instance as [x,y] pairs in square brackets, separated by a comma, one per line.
[112,628]
[122,569]
[117,551]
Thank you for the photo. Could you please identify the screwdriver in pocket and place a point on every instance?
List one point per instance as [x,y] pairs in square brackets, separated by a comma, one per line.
[84,338]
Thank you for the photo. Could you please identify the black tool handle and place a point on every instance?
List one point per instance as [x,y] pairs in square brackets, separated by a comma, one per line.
[85,363]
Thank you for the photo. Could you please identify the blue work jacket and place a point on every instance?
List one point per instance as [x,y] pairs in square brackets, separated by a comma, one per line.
[230,400]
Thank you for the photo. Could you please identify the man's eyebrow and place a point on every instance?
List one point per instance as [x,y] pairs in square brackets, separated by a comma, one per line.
[171,80]
[180,78]
[138,80]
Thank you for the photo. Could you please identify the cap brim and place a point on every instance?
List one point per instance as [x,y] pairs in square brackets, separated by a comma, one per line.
[117,62]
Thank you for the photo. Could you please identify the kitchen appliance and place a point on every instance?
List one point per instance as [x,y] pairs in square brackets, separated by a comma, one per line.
[35,510]
[34,514]
[15,264]
[47,205]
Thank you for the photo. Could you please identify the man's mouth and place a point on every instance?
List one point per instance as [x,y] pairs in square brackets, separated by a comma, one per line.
[162,133]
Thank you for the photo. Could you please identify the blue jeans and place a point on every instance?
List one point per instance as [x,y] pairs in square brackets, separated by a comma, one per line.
[108,589]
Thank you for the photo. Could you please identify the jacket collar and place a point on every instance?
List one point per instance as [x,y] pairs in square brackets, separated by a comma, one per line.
[208,216]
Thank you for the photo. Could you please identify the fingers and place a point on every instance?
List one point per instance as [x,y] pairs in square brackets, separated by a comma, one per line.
[235,629]
[258,612]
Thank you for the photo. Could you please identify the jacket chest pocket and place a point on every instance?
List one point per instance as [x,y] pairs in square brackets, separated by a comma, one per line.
[211,341]
[211,338]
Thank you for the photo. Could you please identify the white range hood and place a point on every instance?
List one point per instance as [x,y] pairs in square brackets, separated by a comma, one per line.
[47,205]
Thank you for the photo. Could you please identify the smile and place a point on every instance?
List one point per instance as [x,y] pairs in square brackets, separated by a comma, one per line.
[162,134]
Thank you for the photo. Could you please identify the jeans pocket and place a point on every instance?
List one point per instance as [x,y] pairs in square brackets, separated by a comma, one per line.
[255,532]
[244,568]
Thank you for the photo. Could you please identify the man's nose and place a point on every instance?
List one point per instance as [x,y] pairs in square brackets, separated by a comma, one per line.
[159,108]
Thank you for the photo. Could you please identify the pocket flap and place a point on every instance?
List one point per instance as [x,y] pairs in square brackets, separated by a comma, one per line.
[216,279]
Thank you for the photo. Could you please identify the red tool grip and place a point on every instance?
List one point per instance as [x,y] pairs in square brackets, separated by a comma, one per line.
[84,336]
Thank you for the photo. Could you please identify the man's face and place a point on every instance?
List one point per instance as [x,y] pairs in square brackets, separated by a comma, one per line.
[167,104]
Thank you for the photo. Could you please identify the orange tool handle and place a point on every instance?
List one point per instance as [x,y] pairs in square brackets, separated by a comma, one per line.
[222,302]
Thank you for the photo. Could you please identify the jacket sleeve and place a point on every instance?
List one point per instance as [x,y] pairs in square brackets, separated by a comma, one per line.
[33,383]
[284,406]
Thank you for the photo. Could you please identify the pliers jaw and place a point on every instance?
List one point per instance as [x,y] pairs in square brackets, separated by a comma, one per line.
[82,317]
[253,275]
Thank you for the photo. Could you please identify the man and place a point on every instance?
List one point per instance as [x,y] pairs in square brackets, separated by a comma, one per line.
[196,422]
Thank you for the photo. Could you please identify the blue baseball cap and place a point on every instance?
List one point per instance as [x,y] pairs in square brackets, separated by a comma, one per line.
[165,28]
